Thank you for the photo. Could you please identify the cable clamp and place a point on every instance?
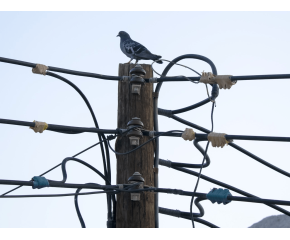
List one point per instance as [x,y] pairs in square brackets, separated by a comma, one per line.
[39,182]
[153,80]
[121,186]
[125,79]
[40,69]
[188,134]
[224,81]
[218,139]
[151,133]
[39,127]
[219,195]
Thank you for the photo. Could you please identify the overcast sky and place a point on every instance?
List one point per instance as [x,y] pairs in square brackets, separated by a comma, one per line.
[239,43]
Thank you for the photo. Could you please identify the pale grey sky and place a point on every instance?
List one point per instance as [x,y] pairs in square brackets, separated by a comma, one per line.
[239,43]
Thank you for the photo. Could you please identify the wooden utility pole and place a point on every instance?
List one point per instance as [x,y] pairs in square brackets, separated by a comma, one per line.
[135,214]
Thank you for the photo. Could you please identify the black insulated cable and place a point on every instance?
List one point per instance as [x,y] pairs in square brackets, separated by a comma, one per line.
[204,157]
[53,168]
[155,115]
[185,215]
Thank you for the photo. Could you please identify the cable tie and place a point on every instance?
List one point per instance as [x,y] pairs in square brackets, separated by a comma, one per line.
[151,133]
[188,134]
[40,69]
[39,127]
[153,80]
[121,186]
[224,81]
[39,182]
[219,195]
[218,139]
[125,79]
[164,112]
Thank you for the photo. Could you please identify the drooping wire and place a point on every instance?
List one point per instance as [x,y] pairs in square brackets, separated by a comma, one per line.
[53,167]
[82,222]
[197,181]
[179,65]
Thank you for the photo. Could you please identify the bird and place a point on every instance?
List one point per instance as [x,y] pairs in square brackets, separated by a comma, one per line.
[135,50]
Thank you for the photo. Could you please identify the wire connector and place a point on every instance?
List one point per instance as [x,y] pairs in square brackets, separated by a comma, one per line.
[219,195]
[218,139]
[224,81]
[39,127]
[121,186]
[39,182]
[151,133]
[188,134]
[153,80]
[40,69]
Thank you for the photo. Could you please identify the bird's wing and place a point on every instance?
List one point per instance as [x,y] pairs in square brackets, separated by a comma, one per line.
[132,47]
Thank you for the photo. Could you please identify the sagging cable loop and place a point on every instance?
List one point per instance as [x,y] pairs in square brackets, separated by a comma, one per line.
[40,69]
[224,81]
[218,139]
[39,127]
[219,195]
[188,134]
[39,182]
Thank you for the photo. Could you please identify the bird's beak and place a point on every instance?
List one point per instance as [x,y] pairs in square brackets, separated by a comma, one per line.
[118,35]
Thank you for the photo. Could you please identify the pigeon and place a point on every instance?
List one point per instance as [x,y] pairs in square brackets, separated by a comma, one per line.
[135,50]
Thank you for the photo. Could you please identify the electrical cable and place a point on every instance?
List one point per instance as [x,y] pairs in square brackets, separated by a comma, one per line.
[155,115]
[64,173]
[117,153]
[219,183]
[106,158]
[178,65]
[82,222]
[53,167]
[204,157]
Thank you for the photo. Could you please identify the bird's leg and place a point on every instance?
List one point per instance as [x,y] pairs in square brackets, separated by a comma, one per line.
[130,61]
[136,61]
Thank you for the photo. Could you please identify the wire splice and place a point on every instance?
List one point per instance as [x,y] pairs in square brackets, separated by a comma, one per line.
[224,81]
[188,134]
[219,195]
[40,69]
[218,139]
[39,127]
[39,182]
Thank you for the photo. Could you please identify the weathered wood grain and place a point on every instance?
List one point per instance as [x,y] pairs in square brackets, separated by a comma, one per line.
[135,214]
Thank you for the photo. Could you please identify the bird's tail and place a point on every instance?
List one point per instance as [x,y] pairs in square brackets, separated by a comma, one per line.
[156,57]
